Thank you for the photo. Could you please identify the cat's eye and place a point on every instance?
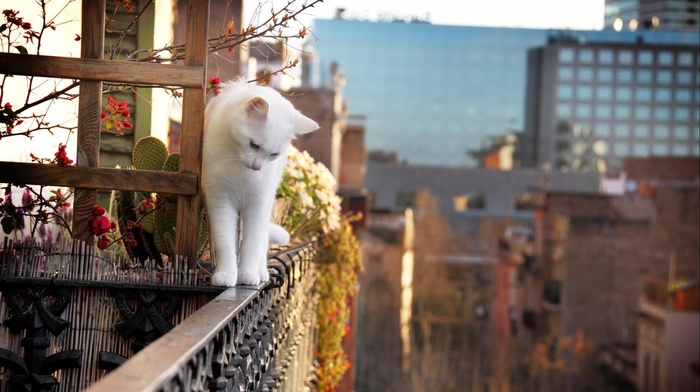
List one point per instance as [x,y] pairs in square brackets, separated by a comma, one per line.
[275,155]
[254,146]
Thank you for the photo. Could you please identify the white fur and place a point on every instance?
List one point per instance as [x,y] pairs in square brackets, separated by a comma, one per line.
[240,180]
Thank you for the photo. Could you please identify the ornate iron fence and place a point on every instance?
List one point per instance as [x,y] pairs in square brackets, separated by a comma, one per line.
[70,334]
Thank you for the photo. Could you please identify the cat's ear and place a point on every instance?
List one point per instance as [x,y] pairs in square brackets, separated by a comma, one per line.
[257,108]
[304,125]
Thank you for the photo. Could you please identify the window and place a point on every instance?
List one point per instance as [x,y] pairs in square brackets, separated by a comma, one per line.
[663,77]
[684,77]
[663,95]
[622,130]
[685,58]
[625,57]
[643,94]
[602,129]
[640,149]
[681,114]
[662,113]
[585,74]
[602,112]
[563,146]
[603,93]
[661,131]
[623,94]
[563,164]
[622,112]
[641,131]
[644,76]
[565,73]
[659,149]
[564,91]
[665,58]
[645,58]
[585,56]
[405,199]
[680,150]
[605,56]
[683,95]
[621,149]
[583,111]
[566,55]
[681,132]
[525,201]
[564,128]
[624,75]
[642,113]
[584,93]
[605,75]
[563,110]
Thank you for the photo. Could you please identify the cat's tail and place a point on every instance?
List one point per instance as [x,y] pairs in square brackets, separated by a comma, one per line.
[278,235]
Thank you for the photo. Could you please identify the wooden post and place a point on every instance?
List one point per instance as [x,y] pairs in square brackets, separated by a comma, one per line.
[92,46]
[192,129]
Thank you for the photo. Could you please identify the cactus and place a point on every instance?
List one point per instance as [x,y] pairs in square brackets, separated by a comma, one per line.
[156,235]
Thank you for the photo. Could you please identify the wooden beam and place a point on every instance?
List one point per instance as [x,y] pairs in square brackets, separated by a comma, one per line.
[90,101]
[99,178]
[117,71]
[192,129]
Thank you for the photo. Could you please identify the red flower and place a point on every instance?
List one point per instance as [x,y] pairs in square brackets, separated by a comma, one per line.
[100,225]
[62,157]
[113,116]
[213,85]
[103,242]
[98,210]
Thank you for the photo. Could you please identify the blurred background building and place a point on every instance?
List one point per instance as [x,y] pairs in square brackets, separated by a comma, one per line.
[456,86]
[592,104]
[536,164]
[652,14]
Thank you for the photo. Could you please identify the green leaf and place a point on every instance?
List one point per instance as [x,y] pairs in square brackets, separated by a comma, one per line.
[21,49]
[8,224]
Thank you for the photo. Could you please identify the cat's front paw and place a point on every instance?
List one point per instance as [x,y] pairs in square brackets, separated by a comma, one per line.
[264,274]
[221,278]
[248,278]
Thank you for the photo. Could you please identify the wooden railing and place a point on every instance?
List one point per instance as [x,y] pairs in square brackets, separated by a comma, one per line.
[92,70]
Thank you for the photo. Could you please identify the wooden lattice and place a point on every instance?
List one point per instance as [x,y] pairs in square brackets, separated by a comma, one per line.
[91,69]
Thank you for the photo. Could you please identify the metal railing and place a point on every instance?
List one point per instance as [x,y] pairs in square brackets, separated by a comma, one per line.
[246,339]
[66,331]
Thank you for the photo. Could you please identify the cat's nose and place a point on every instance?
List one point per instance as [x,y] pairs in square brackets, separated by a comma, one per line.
[255,166]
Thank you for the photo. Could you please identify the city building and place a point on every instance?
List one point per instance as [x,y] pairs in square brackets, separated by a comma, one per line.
[469,197]
[652,14]
[667,339]
[431,93]
[594,253]
[592,104]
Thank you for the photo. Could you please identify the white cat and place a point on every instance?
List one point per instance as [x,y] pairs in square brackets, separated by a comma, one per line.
[247,132]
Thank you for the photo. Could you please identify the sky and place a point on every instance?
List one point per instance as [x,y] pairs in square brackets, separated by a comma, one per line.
[544,14]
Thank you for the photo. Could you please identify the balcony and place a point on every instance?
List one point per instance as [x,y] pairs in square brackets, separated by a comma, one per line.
[124,332]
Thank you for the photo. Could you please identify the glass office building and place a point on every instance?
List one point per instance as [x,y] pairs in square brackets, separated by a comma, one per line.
[432,93]
[593,104]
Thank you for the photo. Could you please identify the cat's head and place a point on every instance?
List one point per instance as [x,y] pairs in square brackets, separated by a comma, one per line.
[270,123]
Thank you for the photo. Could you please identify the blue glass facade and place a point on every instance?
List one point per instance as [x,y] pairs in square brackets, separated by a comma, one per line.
[431,93]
